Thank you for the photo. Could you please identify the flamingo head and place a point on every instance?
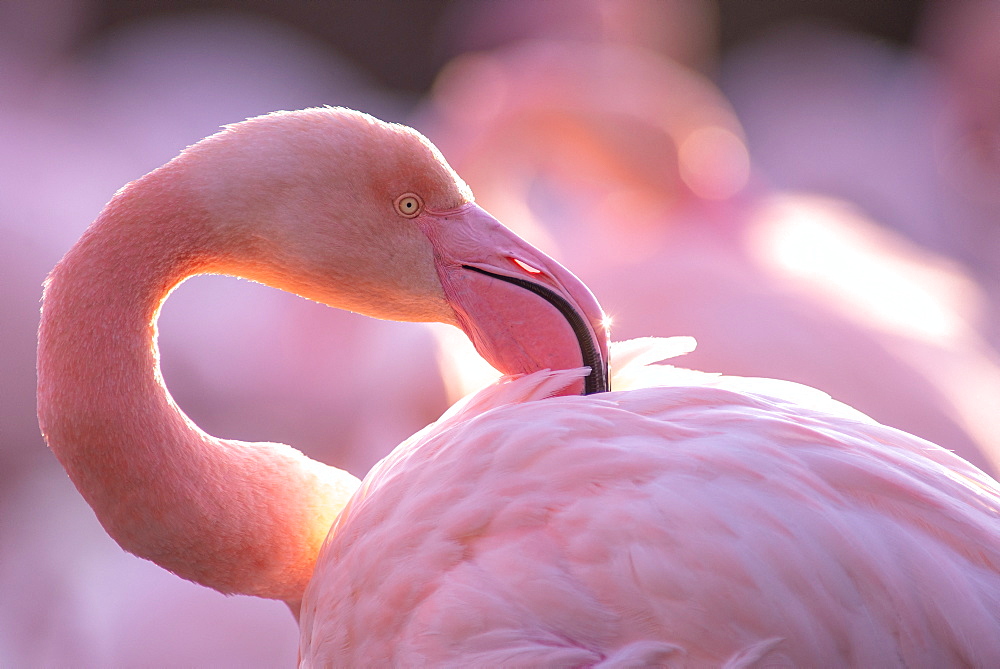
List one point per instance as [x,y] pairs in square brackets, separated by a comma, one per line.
[365,215]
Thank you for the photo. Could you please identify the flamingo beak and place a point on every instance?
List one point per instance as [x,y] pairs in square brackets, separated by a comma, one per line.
[522,310]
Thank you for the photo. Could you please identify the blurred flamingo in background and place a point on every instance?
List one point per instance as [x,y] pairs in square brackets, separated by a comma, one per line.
[909,133]
[637,166]
[695,518]
[684,31]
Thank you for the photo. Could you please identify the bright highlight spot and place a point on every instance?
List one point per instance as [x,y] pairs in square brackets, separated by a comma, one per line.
[526,267]
[713,163]
[835,251]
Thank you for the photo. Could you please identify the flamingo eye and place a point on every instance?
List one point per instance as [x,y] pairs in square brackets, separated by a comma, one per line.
[409,205]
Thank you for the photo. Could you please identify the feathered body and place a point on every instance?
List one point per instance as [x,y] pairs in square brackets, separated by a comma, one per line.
[718,520]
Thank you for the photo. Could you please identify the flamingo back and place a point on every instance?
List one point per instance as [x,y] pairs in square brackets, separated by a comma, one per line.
[706,523]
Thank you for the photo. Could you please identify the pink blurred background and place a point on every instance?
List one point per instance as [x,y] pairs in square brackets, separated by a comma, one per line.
[810,188]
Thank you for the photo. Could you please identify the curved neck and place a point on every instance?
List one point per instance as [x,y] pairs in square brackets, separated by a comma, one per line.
[235,516]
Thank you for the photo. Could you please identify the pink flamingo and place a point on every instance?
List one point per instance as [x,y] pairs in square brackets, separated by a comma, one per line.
[694,519]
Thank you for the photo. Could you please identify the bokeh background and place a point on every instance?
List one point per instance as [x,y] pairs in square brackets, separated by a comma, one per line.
[809,187]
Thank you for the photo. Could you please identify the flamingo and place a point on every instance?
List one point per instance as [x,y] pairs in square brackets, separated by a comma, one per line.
[682,518]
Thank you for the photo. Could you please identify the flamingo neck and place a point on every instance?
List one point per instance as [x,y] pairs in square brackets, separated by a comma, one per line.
[238,517]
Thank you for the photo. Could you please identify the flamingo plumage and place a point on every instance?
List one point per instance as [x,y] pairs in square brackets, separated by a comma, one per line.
[688,520]
[691,519]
